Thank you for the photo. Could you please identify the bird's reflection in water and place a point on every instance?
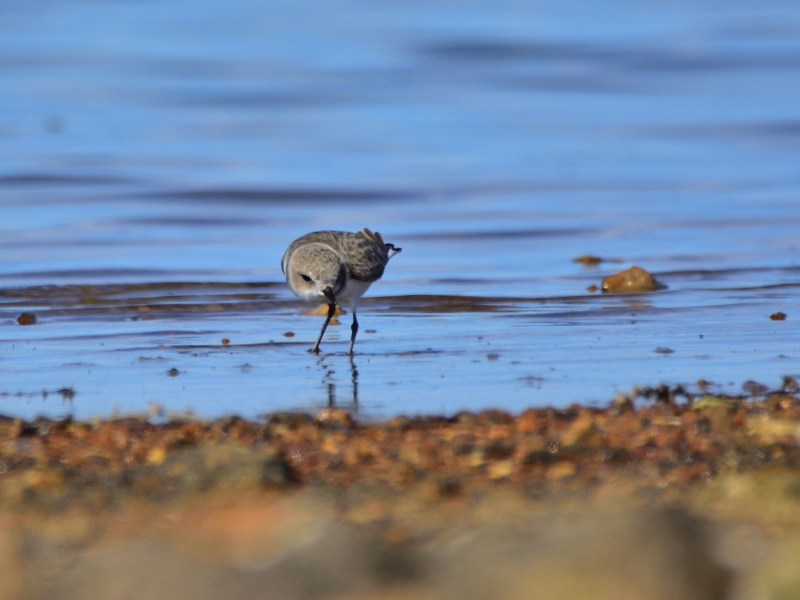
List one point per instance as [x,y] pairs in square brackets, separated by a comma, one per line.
[329,381]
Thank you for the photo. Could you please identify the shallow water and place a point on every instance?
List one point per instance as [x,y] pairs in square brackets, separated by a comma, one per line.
[156,160]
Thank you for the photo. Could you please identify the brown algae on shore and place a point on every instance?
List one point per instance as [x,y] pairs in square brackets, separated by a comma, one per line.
[339,450]
[410,507]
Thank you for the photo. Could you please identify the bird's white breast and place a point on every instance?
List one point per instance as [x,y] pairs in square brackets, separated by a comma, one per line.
[352,293]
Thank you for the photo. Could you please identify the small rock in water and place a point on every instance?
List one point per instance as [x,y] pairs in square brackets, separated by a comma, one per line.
[289,334]
[778,316]
[173,372]
[631,280]
[588,260]
[66,393]
[663,350]
[26,319]
[754,388]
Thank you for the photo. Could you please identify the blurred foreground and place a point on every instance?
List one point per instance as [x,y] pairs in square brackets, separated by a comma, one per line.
[674,497]
[157,158]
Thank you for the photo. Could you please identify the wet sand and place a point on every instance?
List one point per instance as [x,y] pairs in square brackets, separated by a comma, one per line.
[660,495]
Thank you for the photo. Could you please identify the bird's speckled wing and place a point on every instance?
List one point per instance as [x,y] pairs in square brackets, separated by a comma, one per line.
[364,254]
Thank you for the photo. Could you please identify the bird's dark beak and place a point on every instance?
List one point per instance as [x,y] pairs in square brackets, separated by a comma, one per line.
[328,291]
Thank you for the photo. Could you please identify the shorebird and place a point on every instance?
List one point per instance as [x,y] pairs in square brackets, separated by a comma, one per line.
[336,267]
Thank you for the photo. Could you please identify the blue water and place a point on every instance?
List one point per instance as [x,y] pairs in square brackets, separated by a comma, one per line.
[157,158]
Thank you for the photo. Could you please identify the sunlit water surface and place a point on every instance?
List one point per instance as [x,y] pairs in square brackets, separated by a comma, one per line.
[157,158]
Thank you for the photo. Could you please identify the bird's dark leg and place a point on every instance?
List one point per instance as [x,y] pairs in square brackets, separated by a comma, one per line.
[331,311]
[354,331]
[354,379]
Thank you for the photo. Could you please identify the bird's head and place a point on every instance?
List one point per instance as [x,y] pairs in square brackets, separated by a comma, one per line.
[316,274]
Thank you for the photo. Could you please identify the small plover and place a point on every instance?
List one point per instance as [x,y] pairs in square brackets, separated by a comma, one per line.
[336,267]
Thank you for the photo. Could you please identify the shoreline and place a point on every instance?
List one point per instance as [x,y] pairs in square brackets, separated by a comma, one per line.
[672,437]
[409,507]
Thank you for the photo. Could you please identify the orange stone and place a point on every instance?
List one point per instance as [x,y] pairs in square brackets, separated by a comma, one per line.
[630,281]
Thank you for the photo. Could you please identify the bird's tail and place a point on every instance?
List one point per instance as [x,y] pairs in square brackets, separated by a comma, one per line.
[376,237]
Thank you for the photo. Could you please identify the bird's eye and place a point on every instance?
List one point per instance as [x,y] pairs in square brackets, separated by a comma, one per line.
[305,277]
